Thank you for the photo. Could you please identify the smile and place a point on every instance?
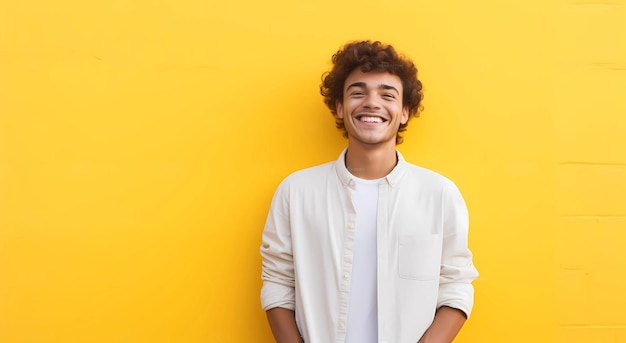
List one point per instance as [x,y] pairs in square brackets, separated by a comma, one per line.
[370,119]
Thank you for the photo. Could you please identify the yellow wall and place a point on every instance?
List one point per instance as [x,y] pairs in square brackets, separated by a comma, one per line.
[141,141]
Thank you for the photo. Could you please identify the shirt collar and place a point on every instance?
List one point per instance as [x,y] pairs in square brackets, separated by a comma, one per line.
[348,179]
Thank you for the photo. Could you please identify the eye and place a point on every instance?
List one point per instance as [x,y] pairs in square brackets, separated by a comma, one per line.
[356,94]
[389,95]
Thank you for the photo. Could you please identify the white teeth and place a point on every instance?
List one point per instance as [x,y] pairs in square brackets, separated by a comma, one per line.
[371,119]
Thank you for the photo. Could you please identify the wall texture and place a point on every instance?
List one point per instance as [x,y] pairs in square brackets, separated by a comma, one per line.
[590,131]
[141,142]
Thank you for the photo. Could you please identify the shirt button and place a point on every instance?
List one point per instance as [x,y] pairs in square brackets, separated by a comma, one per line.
[351,226]
[342,325]
[346,275]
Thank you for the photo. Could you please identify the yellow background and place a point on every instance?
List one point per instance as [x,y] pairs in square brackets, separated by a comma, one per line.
[141,142]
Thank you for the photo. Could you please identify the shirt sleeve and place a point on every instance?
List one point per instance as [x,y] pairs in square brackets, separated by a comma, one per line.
[457,269]
[278,271]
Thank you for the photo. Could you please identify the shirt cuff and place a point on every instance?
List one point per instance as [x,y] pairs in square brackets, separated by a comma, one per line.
[459,296]
[277,295]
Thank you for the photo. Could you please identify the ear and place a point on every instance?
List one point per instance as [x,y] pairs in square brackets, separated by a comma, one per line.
[405,115]
[339,109]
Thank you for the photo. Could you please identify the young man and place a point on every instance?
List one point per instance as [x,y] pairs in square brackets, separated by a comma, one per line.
[368,248]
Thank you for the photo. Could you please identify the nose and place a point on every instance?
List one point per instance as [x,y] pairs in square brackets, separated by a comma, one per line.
[371,101]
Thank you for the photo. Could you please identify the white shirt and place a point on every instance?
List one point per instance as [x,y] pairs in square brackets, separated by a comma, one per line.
[362,323]
[423,261]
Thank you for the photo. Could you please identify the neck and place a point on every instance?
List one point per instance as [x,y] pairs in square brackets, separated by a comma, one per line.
[371,163]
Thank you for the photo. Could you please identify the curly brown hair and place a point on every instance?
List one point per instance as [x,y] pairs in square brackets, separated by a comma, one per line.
[371,56]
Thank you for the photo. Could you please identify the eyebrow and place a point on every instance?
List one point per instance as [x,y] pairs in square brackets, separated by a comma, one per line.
[364,85]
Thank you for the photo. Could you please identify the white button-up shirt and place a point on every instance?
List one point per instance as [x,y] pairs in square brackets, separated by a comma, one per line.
[423,260]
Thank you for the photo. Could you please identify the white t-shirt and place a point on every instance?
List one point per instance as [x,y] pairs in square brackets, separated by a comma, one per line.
[362,326]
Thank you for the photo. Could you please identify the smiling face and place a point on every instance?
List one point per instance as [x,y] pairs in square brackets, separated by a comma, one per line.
[372,108]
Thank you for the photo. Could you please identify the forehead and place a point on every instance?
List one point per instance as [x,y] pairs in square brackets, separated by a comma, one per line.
[373,79]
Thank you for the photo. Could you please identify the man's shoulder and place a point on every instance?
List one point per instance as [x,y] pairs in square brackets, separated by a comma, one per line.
[310,175]
[426,176]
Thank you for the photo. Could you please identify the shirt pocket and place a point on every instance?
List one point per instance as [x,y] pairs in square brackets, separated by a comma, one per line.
[419,256]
